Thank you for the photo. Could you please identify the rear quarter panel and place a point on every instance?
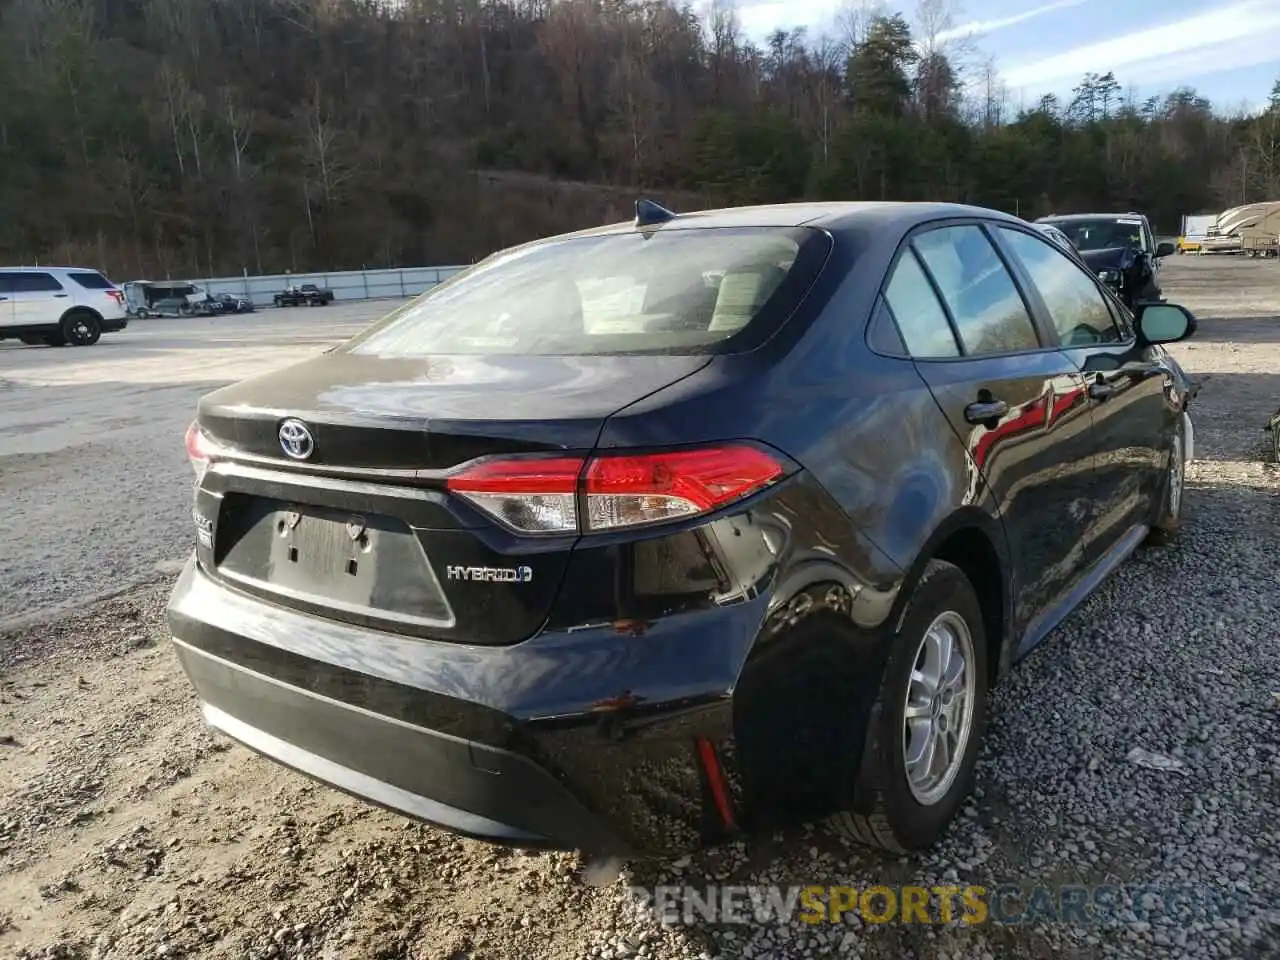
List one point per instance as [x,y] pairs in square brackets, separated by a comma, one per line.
[884,479]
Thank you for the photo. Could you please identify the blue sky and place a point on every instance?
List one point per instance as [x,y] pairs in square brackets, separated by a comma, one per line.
[1229,50]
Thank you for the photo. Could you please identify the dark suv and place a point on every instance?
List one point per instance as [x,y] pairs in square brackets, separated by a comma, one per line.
[639,538]
[1120,248]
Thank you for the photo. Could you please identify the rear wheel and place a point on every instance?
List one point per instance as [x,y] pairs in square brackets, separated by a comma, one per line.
[927,722]
[80,328]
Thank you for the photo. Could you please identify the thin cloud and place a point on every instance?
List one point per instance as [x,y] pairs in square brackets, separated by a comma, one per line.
[1240,34]
[978,28]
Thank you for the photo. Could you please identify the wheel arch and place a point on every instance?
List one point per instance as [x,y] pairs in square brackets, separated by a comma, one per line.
[973,541]
[78,308]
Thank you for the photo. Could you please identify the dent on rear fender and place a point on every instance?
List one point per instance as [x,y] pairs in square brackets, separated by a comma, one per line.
[823,588]
[803,701]
[802,698]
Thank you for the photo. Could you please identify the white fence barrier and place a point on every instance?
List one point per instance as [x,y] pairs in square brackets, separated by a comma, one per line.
[349,285]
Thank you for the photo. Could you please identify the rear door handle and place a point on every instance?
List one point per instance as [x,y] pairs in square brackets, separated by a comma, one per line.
[59,296]
[1101,390]
[984,411]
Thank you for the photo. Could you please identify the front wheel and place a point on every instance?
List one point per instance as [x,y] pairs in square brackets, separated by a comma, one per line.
[927,722]
[1169,518]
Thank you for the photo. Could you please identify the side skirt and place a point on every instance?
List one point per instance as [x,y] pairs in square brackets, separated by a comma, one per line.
[1043,625]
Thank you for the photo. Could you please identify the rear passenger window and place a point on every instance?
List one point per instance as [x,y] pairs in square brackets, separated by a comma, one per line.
[1078,308]
[91,280]
[882,334]
[988,310]
[33,282]
[921,319]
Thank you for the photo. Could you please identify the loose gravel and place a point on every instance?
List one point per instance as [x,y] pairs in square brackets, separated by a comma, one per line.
[127,830]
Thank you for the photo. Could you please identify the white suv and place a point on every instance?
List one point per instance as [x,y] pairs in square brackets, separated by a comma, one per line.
[58,305]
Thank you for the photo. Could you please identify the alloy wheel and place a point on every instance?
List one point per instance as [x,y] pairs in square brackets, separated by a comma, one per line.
[80,332]
[939,709]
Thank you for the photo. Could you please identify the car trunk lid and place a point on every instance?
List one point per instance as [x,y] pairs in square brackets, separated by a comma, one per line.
[362,527]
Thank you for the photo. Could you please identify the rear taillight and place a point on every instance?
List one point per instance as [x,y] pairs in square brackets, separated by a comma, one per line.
[541,495]
[529,495]
[199,450]
[117,296]
[624,491]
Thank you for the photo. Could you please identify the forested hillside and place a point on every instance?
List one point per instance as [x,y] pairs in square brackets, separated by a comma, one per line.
[199,137]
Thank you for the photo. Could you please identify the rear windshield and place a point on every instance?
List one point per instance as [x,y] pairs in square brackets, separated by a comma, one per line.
[91,281]
[664,291]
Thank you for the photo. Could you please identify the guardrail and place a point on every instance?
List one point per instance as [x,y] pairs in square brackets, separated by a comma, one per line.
[346,285]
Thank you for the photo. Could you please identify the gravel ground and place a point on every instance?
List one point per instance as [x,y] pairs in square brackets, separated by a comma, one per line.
[93,475]
[127,830]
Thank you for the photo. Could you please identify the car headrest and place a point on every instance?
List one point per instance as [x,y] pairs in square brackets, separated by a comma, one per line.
[742,294]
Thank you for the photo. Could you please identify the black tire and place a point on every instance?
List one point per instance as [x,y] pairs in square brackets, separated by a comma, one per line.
[81,328]
[1168,518]
[885,811]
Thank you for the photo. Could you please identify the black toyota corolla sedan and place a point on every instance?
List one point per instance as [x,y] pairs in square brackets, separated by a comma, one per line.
[636,539]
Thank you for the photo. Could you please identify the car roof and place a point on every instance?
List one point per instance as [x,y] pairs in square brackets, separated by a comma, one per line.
[834,215]
[1067,217]
[49,269]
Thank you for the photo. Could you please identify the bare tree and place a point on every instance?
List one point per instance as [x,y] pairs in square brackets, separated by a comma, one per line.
[175,94]
[236,118]
[933,18]
[327,168]
[854,18]
[725,29]
[827,56]
[995,95]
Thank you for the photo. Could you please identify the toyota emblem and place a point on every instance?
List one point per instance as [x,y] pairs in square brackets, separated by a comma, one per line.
[296,440]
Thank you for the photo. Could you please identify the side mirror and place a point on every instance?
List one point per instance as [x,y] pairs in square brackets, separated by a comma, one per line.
[1164,322]
[1165,248]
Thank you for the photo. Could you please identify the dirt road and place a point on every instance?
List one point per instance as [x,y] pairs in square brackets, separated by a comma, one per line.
[128,831]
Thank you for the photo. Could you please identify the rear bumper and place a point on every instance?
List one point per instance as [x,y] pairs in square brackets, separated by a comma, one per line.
[113,324]
[515,745]
[463,786]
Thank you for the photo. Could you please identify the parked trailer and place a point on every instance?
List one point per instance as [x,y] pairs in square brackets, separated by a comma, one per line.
[1255,244]
[1261,236]
[162,298]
